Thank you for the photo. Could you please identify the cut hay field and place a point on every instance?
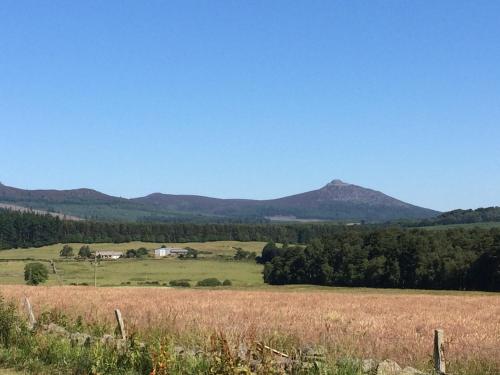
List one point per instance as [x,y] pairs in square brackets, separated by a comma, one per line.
[367,325]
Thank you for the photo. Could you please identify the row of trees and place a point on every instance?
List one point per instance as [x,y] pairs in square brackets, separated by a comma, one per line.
[392,258]
[68,252]
[19,229]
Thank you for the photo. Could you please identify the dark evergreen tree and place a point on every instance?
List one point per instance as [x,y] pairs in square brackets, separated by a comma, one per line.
[85,252]
[66,251]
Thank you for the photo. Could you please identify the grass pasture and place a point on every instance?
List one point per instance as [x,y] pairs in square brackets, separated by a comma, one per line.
[11,272]
[137,271]
[112,273]
[52,251]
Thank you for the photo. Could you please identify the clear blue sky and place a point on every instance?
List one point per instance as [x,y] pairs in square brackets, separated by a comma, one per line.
[254,99]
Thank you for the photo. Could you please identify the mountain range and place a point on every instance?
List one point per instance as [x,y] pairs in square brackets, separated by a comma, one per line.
[337,200]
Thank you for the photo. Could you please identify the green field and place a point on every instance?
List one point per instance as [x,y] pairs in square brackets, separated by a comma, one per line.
[138,271]
[52,251]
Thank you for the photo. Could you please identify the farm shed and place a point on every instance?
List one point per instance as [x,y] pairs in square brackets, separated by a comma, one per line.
[169,251]
[109,254]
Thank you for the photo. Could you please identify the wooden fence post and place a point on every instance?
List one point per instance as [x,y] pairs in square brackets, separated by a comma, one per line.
[31,315]
[121,325]
[54,270]
[439,363]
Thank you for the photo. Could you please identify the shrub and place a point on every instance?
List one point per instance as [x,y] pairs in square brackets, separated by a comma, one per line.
[85,252]
[182,283]
[139,253]
[244,255]
[67,251]
[35,273]
[8,320]
[227,282]
[212,281]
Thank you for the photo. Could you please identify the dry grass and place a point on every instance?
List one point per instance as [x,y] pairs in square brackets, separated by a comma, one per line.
[374,324]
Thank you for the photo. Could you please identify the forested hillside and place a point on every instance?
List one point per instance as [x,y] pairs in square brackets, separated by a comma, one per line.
[480,215]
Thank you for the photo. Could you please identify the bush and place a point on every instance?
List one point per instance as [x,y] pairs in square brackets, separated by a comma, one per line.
[154,282]
[8,320]
[182,283]
[244,255]
[142,252]
[212,281]
[85,252]
[227,282]
[35,273]
[67,251]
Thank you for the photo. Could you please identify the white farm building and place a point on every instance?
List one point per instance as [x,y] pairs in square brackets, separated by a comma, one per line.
[109,254]
[169,251]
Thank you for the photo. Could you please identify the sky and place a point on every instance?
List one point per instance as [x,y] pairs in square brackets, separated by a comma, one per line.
[253,99]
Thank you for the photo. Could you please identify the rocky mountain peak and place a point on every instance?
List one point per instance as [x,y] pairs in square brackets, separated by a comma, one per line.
[337,182]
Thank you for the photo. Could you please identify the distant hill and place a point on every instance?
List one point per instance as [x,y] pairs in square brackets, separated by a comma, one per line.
[455,217]
[335,201]
[13,207]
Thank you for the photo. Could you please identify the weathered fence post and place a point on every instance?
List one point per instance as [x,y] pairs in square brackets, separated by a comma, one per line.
[439,363]
[54,270]
[121,325]
[31,315]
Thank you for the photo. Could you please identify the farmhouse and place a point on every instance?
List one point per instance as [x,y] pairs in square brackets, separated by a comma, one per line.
[169,251]
[109,254]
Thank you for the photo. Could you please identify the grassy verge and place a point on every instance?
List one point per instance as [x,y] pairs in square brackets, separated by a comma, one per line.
[40,351]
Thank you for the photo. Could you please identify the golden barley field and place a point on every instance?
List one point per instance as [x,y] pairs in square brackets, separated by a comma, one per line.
[373,324]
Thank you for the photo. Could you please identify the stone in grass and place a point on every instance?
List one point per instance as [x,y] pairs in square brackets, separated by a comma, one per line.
[243,351]
[179,350]
[107,340]
[369,366]
[57,330]
[388,367]
[313,352]
[80,339]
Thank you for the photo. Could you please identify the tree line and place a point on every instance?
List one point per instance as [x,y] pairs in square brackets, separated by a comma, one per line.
[25,229]
[479,215]
[391,258]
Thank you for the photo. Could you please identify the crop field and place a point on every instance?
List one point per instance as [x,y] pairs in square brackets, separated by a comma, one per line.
[368,325]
